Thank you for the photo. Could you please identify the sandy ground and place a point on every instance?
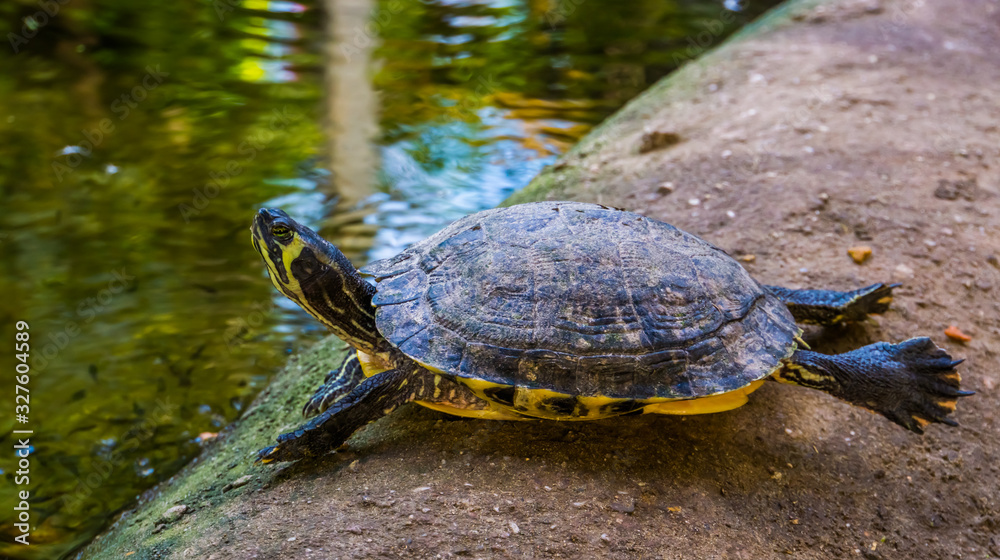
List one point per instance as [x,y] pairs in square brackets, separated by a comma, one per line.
[853,123]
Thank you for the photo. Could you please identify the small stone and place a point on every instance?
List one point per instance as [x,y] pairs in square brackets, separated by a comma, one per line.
[665,188]
[860,254]
[730,214]
[956,334]
[290,539]
[353,529]
[605,537]
[902,272]
[993,260]
[694,201]
[159,527]
[579,504]
[623,505]
[657,140]
[174,513]
[241,481]
[953,190]
[748,258]
[514,528]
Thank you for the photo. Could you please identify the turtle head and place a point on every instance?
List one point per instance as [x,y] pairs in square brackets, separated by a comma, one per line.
[313,273]
[294,254]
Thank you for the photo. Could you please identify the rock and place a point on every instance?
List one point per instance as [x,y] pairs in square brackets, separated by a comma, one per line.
[860,253]
[623,505]
[902,272]
[173,514]
[665,188]
[993,260]
[657,140]
[954,333]
[241,481]
[953,190]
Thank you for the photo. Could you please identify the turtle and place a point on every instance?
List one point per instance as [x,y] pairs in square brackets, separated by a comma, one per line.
[576,311]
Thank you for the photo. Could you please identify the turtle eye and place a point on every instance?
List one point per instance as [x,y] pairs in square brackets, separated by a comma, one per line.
[281,231]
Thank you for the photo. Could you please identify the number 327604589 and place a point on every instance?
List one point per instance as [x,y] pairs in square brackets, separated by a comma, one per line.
[22,368]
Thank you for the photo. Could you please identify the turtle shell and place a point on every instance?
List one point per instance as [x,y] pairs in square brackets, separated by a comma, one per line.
[581,299]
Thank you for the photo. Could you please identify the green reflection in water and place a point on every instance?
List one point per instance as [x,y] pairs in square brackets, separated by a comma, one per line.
[139,138]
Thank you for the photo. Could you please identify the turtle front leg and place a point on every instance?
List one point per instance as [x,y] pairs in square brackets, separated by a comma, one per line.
[374,398]
[912,383]
[829,307]
[338,383]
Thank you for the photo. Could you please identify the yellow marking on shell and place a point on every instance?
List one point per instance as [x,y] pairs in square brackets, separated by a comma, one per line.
[531,402]
[885,301]
[923,422]
[837,319]
[706,405]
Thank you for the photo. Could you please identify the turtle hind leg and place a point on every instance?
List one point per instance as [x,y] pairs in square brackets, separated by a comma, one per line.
[828,307]
[913,383]
[374,398]
[338,383]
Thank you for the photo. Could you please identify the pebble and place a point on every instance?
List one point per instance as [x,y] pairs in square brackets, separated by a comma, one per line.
[730,214]
[902,272]
[860,254]
[956,334]
[665,188]
[657,140]
[174,513]
[694,201]
[241,481]
[993,260]
[514,528]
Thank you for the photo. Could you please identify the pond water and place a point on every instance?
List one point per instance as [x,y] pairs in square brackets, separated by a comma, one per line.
[138,139]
